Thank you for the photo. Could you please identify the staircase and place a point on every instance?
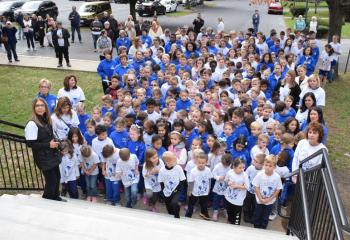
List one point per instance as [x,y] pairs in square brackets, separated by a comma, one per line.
[32,217]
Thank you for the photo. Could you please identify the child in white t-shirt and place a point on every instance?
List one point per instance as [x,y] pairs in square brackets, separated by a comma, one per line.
[220,186]
[249,202]
[127,171]
[88,163]
[68,171]
[150,173]
[110,157]
[267,187]
[172,179]
[199,187]
[260,147]
[238,183]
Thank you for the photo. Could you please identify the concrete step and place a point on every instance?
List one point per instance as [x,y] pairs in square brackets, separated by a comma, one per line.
[32,217]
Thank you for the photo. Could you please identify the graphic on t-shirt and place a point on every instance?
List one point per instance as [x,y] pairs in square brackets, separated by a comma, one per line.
[203,185]
[233,193]
[267,192]
[131,175]
[221,186]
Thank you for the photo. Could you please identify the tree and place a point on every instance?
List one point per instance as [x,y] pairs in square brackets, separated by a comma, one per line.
[132,4]
[337,11]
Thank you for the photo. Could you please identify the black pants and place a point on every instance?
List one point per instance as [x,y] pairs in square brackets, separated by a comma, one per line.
[11,49]
[233,213]
[172,204]
[248,207]
[63,51]
[203,202]
[261,215]
[52,183]
[30,38]
[75,28]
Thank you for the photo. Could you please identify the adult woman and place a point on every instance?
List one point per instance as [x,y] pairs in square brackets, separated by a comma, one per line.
[104,43]
[155,30]
[309,146]
[316,115]
[301,79]
[299,24]
[64,118]
[39,29]
[313,24]
[96,27]
[288,86]
[314,86]
[71,90]
[221,26]
[44,93]
[137,45]
[40,137]
[28,32]
[307,102]
[9,33]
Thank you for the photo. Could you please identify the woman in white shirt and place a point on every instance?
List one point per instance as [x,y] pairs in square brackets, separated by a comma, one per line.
[307,102]
[28,32]
[64,118]
[71,90]
[314,86]
[313,24]
[221,25]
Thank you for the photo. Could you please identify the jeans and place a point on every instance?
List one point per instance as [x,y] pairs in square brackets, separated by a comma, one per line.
[20,32]
[256,28]
[91,185]
[233,213]
[141,184]
[287,191]
[261,215]
[203,202]
[30,39]
[76,28]
[94,39]
[112,191]
[131,195]
[52,183]
[11,49]
[217,199]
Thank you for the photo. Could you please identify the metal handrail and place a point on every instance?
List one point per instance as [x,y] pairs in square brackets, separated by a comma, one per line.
[11,124]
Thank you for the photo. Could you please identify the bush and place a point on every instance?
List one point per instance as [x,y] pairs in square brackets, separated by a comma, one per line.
[322,32]
[296,11]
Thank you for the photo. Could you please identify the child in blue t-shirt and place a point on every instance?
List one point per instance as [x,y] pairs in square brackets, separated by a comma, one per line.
[157,144]
[107,106]
[239,125]
[120,135]
[90,134]
[239,150]
[227,135]
[83,117]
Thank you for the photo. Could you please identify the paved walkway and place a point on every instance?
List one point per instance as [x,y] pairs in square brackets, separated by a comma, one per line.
[50,62]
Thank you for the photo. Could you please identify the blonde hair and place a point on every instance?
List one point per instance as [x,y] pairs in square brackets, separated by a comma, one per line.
[271,159]
[46,81]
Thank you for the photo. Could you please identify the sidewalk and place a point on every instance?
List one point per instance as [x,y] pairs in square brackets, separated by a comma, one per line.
[50,62]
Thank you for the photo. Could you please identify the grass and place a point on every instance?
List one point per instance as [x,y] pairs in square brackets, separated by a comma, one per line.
[19,85]
[179,13]
[323,4]
[337,116]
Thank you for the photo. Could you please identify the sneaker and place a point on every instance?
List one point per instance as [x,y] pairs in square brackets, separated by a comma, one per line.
[28,49]
[72,41]
[10,61]
[272,216]
[154,209]
[215,216]
[59,65]
[93,199]
[16,60]
[88,199]
[225,214]
[204,216]
[68,65]
[34,49]
[145,200]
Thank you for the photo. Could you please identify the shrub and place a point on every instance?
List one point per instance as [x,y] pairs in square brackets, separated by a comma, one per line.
[296,11]
[322,32]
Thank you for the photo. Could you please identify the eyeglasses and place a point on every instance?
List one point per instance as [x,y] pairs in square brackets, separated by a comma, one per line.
[207,112]
[40,105]
[131,79]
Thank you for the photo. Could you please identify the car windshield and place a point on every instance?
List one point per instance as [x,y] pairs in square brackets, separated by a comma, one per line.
[31,5]
[5,5]
[87,8]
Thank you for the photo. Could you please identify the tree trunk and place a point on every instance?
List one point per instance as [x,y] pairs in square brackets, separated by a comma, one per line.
[336,17]
[132,9]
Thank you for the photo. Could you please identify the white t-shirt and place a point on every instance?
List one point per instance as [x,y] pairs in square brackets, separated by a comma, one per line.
[68,168]
[75,95]
[319,93]
[326,61]
[126,170]
[256,150]
[234,195]
[252,172]
[268,185]
[282,171]
[31,131]
[218,128]
[213,160]
[201,180]
[302,116]
[111,165]
[265,123]
[303,150]
[90,161]
[62,125]
[220,171]
[153,116]
[76,152]
[171,179]
[97,146]
[151,181]
[190,165]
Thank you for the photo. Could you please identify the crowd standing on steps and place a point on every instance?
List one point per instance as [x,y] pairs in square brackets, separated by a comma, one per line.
[219,117]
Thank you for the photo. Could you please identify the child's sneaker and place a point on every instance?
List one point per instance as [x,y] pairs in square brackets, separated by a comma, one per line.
[225,214]
[145,200]
[204,216]
[272,216]
[215,215]
[93,199]
[154,209]
[88,199]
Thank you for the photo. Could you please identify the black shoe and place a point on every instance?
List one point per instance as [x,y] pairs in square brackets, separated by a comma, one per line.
[72,41]
[61,199]
[17,60]
[204,216]
[10,61]
[80,42]
[68,65]
[59,65]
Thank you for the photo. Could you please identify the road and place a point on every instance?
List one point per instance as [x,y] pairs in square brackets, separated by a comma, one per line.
[236,14]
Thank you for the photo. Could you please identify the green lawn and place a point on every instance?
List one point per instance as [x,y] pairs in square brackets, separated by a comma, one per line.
[19,85]
[323,4]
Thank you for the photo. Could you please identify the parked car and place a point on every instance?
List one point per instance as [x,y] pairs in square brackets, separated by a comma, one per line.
[150,7]
[275,7]
[39,8]
[121,1]
[170,5]
[7,9]
[88,11]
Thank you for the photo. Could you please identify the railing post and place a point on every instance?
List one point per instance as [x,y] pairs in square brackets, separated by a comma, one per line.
[305,205]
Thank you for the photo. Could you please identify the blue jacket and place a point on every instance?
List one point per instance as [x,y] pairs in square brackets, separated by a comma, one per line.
[180,104]
[212,50]
[185,68]
[244,155]
[268,65]
[310,64]
[316,53]
[189,138]
[240,130]
[137,65]
[228,140]
[146,40]
[273,81]
[251,142]
[138,148]
[120,71]
[110,130]
[272,142]
[104,110]
[123,42]
[10,33]
[82,120]
[278,148]
[160,152]
[89,138]
[106,68]
[51,101]
[282,118]
[120,139]
[274,49]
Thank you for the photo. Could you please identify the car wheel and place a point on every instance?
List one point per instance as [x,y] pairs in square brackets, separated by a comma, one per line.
[175,9]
